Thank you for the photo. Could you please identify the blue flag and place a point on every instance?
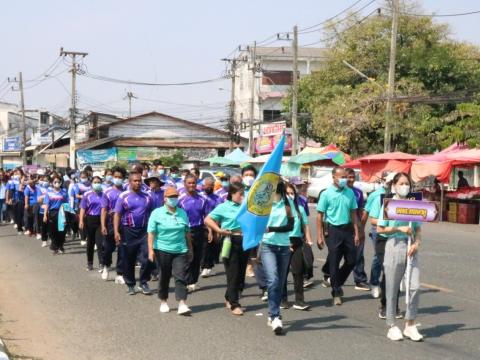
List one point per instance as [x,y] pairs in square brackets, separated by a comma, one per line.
[255,210]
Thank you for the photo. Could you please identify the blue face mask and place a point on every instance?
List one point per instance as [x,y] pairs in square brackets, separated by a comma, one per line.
[45,184]
[83,180]
[172,202]
[161,172]
[97,187]
[108,178]
[174,176]
[225,184]
[342,183]
[117,182]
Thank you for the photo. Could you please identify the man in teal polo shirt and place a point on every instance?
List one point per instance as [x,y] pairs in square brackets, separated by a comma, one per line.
[338,205]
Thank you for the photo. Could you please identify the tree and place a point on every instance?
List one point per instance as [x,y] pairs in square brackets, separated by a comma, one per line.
[349,110]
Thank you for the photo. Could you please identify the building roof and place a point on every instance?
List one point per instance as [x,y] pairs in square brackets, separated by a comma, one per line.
[189,123]
[286,52]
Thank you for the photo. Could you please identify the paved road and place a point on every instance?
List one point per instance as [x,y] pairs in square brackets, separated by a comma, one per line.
[53,309]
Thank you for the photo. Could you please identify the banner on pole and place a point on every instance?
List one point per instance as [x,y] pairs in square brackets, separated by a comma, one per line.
[411,210]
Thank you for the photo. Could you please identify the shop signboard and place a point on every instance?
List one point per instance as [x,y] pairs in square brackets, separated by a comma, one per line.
[97,156]
[12,144]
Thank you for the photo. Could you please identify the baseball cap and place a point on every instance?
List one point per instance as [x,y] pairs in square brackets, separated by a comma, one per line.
[171,191]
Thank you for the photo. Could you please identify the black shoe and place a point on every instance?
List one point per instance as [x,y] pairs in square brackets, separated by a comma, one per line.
[145,289]
[284,305]
[155,277]
[361,286]
[399,314]
[89,267]
[131,290]
[382,313]
[301,305]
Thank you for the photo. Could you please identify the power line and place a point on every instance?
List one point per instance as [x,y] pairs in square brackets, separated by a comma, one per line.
[436,15]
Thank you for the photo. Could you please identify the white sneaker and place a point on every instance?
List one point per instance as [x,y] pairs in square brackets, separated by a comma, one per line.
[119,280]
[211,272]
[375,292]
[14,225]
[395,334]
[44,244]
[27,232]
[83,242]
[277,326]
[105,273]
[19,233]
[39,236]
[269,321]
[95,247]
[402,285]
[183,309]
[204,273]
[164,307]
[191,288]
[412,333]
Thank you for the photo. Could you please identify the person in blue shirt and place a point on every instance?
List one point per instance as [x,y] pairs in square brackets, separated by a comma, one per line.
[3,195]
[15,198]
[53,201]
[31,207]
[338,205]
[396,253]
[43,187]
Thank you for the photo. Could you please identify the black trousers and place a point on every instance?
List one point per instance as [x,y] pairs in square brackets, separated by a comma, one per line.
[235,268]
[340,244]
[43,228]
[134,245]
[37,218]
[28,219]
[58,237]
[109,247]
[72,220]
[198,241]
[208,254]
[18,208]
[94,237]
[297,267]
[172,264]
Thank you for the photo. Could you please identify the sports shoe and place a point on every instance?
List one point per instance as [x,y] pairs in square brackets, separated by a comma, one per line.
[382,313]
[83,242]
[145,289]
[375,292]
[13,222]
[301,305]
[395,334]
[27,232]
[307,283]
[89,267]
[39,236]
[326,283]
[265,296]
[164,307]
[61,251]
[361,286]
[155,277]
[100,268]
[337,300]
[105,273]
[269,321]
[284,305]
[412,333]
[204,273]
[192,287]
[277,326]
[44,244]
[210,272]
[19,233]
[183,309]
[237,311]
[131,290]
[119,280]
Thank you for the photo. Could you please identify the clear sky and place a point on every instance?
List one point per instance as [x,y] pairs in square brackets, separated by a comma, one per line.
[160,41]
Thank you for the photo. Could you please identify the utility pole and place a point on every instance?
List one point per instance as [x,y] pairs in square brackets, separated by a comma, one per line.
[130,96]
[24,126]
[232,103]
[387,147]
[295,92]
[251,144]
[73,109]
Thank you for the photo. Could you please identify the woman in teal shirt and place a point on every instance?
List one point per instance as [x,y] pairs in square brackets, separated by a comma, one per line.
[396,252]
[275,254]
[223,220]
[170,244]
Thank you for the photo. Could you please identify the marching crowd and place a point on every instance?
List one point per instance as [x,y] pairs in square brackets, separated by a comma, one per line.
[172,224]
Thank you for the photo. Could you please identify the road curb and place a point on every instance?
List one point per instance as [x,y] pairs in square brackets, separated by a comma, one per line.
[3,351]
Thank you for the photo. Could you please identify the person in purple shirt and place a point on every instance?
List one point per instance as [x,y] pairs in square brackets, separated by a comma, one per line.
[54,199]
[194,205]
[132,210]
[89,221]
[155,184]
[109,200]
[211,249]
[223,191]
[79,189]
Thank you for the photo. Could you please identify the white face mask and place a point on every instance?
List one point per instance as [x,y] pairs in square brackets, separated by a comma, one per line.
[248,180]
[403,190]
[291,197]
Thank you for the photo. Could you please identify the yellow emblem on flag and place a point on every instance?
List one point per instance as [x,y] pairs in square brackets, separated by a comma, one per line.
[260,196]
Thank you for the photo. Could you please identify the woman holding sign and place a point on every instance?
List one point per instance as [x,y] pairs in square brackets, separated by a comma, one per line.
[396,252]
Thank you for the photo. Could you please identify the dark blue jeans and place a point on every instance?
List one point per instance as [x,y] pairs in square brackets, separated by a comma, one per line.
[275,260]
[134,244]
[359,274]
[376,269]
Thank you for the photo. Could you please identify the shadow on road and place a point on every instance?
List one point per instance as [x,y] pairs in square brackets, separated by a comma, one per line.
[437,310]
[310,324]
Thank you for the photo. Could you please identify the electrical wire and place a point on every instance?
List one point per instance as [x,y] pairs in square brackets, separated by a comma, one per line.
[436,15]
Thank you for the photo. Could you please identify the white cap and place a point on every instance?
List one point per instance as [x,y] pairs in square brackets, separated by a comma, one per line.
[390,177]
[40,172]
[98,173]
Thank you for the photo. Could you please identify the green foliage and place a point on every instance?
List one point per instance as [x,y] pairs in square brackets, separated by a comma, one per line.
[176,159]
[349,110]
